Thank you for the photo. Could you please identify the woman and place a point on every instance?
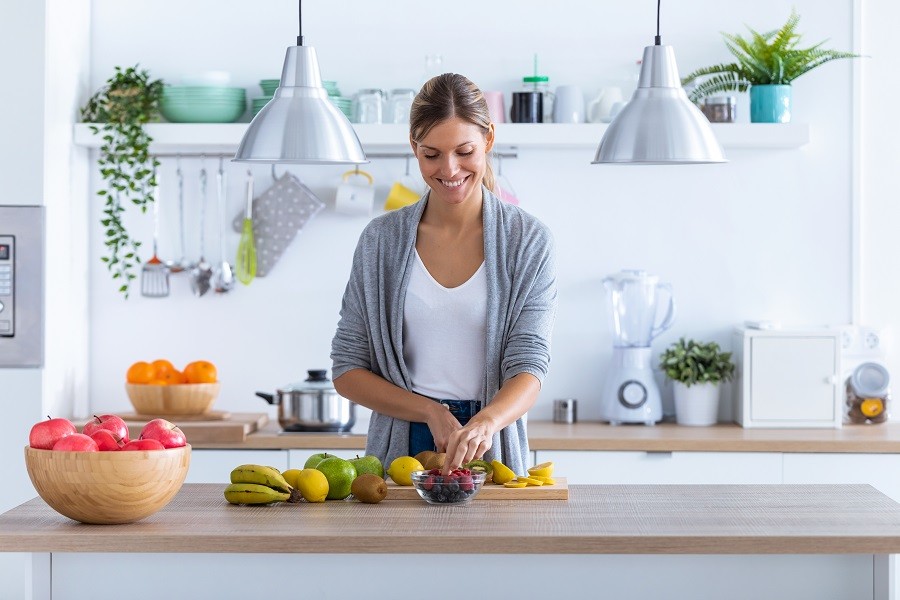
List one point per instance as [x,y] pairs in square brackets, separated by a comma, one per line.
[451,301]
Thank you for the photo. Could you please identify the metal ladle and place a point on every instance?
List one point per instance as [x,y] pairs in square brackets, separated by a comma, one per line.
[202,272]
[223,277]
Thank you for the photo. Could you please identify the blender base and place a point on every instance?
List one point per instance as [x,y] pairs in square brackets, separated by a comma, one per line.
[630,393]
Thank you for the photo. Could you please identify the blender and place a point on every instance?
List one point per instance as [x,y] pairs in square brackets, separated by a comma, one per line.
[630,393]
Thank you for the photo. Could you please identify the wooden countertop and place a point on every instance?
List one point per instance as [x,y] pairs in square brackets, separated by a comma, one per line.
[666,437]
[611,519]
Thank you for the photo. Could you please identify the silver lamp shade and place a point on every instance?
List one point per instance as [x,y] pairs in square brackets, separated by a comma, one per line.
[659,126]
[300,124]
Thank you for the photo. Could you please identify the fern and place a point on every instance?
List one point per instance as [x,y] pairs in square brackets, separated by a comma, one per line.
[766,58]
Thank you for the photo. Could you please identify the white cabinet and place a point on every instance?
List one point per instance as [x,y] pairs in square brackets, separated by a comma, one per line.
[591,467]
[214,466]
[878,470]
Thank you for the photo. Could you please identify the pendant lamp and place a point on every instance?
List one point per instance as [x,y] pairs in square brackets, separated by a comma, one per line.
[659,126]
[299,124]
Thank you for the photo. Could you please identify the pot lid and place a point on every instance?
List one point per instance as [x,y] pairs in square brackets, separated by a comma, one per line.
[316,381]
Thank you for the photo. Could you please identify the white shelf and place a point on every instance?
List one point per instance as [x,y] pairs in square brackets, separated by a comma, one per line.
[225,137]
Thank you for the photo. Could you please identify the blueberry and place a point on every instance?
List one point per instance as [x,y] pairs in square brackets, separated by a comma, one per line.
[453,486]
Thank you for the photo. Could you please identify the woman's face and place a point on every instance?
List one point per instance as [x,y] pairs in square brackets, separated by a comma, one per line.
[453,159]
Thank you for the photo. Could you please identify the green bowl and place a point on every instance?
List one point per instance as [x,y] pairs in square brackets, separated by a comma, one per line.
[201,112]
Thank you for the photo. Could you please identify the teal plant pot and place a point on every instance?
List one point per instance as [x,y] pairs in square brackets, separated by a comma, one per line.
[770,104]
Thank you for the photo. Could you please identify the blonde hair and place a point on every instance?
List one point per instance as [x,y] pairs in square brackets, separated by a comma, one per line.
[447,96]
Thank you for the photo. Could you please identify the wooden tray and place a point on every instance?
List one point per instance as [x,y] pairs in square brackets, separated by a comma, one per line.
[491,491]
[234,428]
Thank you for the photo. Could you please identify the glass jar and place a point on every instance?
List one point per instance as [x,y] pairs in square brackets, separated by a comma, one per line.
[368,106]
[867,394]
[399,104]
[541,83]
[720,109]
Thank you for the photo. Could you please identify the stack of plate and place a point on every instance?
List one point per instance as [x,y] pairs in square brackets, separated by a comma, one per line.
[268,87]
[202,104]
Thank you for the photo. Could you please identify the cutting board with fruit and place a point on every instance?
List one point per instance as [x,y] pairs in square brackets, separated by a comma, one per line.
[492,491]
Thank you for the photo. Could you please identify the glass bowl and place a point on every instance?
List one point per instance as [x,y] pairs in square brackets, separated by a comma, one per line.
[457,488]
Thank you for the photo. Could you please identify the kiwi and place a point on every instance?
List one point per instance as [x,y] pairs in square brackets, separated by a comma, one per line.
[481,465]
[424,456]
[436,461]
[369,488]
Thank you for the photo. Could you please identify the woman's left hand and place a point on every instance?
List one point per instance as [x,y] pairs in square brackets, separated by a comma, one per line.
[467,443]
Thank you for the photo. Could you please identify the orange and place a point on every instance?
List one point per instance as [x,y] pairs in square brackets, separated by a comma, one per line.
[871,407]
[172,377]
[157,381]
[201,371]
[163,366]
[140,372]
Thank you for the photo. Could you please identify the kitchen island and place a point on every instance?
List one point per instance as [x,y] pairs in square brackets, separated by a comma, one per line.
[618,541]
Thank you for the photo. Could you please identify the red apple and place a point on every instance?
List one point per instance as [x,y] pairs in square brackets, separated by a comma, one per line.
[76,442]
[113,423]
[143,445]
[107,440]
[165,432]
[46,433]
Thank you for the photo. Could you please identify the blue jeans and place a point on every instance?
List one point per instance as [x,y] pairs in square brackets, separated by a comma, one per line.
[420,437]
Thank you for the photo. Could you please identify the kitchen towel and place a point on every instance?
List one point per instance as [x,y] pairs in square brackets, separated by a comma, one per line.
[278,214]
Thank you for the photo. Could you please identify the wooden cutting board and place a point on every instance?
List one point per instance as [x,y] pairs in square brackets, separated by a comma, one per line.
[234,428]
[491,491]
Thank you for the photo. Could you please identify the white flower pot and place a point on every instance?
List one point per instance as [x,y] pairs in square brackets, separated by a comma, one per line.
[697,404]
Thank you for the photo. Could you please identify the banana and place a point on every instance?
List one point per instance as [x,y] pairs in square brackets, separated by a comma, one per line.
[262,475]
[253,493]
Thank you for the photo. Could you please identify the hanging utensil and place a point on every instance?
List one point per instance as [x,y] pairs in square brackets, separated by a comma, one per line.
[202,272]
[182,264]
[155,274]
[223,277]
[246,254]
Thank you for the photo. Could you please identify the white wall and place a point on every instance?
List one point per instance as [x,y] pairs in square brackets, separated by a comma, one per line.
[766,236]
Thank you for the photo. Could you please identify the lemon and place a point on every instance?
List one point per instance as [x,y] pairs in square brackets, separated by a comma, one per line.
[871,407]
[291,477]
[530,481]
[543,469]
[312,484]
[502,473]
[544,480]
[401,468]
[515,484]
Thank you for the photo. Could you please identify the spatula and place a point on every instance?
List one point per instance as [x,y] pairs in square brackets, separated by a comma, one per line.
[155,273]
[202,271]
[246,253]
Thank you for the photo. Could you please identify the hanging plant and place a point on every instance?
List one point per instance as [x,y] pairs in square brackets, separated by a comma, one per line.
[128,101]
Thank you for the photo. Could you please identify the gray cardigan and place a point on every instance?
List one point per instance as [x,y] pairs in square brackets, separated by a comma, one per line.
[521,275]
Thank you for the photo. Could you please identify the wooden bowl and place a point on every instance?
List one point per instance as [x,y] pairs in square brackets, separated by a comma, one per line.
[107,487]
[177,399]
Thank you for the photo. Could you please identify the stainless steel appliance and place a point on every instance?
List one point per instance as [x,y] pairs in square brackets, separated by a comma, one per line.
[630,393]
[21,286]
[312,405]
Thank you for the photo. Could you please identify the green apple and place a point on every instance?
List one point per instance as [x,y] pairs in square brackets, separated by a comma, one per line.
[340,474]
[368,464]
[315,459]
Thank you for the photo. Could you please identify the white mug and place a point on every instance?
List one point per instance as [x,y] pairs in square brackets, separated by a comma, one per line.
[600,108]
[568,106]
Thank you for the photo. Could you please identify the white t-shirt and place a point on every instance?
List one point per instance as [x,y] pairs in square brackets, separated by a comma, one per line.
[444,334]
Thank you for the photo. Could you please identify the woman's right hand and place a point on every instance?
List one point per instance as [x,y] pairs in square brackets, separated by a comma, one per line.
[442,424]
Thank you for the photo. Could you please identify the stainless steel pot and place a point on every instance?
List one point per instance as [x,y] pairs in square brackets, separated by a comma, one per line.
[312,405]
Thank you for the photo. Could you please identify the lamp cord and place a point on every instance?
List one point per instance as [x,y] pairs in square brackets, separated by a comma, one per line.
[658,39]
[300,23]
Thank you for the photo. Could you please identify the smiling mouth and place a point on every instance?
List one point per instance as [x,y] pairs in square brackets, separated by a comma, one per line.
[454,184]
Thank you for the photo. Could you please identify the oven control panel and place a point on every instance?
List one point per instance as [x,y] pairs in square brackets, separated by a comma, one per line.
[7,286]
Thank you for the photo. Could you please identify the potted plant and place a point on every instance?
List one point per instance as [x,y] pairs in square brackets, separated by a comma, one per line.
[128,101]
[697,370]
[766,63]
